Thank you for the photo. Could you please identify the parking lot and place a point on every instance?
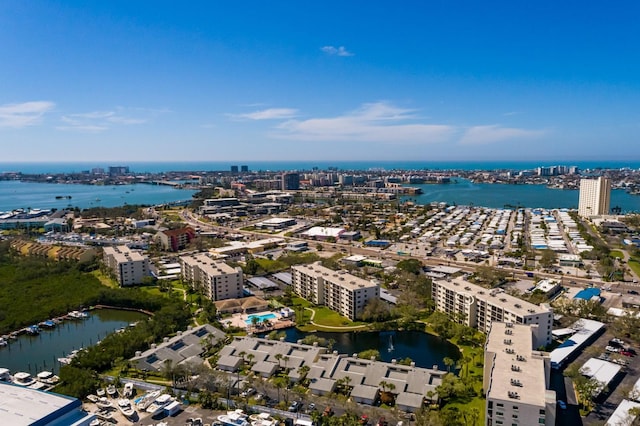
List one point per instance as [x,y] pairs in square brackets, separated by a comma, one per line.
[618,389]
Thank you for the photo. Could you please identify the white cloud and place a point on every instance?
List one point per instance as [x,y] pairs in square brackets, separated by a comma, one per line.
[336,51]
[373,122]
[24,114]
[267,114]
[99,121]
[482,135]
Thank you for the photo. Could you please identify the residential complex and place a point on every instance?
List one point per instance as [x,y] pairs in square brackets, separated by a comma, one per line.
[338,290]
[595,197]
[129,267]
[479,307]
[175,239]
[412,385]
[517,378]
[217,280]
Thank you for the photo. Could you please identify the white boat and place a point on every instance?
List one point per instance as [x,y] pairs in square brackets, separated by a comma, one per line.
[104,403]
[47,377]
[78,315]
[93,398]
[124,405]
[23,379]
[3,342]
[234,418]
[5,375]
[147,400]
[262,419]
[127,392]
[101,392]
[158,405]
[112,391]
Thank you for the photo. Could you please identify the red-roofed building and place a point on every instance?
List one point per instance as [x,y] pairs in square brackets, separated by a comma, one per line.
[175,239]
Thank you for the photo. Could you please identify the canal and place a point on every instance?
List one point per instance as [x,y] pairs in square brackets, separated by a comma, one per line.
[37,353]
[425,349]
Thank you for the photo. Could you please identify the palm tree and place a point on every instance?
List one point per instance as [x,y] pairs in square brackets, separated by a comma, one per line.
[250,357]
[303,370]
[242,355]
[254,321]
[279,357]
[279,383]
[448,362]
[286,361]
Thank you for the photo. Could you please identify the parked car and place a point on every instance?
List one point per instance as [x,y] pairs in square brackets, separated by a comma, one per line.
[632,292]
[625,353]
[311,407]
[612,349]
[295,406]
[562,404]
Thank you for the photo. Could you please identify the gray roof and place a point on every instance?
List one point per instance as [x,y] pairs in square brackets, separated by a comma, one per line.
[262,283]
[410,400]
[285,277]
[184,346]
[365,392]
[322,385]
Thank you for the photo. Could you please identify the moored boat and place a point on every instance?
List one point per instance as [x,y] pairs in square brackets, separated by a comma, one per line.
[5,375]
[33,330]
[22,378]
[47,377]
[3,342]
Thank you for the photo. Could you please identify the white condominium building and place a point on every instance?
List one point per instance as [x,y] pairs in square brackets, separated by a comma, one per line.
[595,197]
[338,290]
[129,267]
[217,280]
[479,307]
[516,378]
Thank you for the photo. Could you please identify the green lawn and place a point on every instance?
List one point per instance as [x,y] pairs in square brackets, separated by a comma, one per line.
[634,264]
[323,317]
[617,254]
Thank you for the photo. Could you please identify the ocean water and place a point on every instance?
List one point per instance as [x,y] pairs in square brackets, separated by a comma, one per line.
[159,167]
[465,192]
[15,195]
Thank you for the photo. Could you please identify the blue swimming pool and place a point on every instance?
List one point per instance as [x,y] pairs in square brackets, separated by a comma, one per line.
[260,317]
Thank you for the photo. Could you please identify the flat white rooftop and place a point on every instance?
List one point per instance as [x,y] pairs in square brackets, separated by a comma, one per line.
[584,330]
[621,416]
[22,406]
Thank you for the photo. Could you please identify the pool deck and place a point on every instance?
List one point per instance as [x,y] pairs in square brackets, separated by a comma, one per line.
[279,322]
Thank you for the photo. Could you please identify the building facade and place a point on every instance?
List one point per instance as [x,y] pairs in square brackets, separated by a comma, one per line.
[595,197]
[129,267]
[516,378]
[338,290]
[175,239]
[216,279]
[479,307]
[290,181]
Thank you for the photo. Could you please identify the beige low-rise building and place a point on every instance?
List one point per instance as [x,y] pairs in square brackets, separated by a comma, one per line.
[129,267]
[338,290]
[216,279]
[516,378]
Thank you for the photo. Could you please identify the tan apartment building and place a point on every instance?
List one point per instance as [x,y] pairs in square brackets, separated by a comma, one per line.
[338,290]
[217,280]
[479,307]
[595,197]
[129,267]
[516,378]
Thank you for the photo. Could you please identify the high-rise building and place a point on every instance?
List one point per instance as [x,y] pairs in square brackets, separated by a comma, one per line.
[478,307]
[216,279]
[244,169]
[338,290]
[595,197]
[290,181]
[129,267]
[234,169]
[516,378]
[118,170]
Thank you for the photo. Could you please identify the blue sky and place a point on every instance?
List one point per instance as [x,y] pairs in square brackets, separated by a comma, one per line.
[343,80]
